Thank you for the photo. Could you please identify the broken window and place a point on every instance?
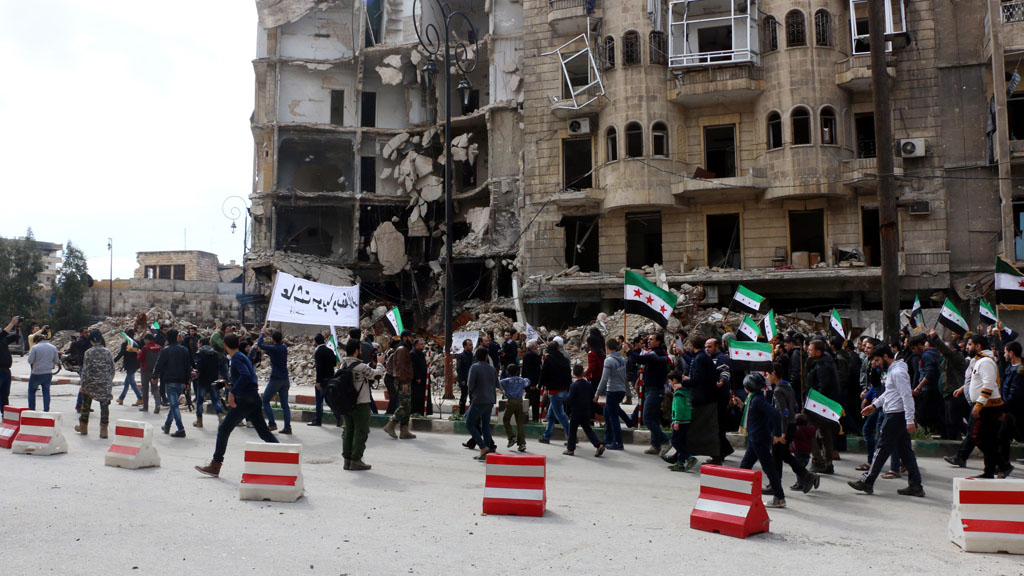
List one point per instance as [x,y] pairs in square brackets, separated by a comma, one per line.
[658,44]
[631,49]
[823,28]
[871,240]
[774,131]
[368,113]
[807,232]
[368,174]
[316,163]
[371,216]
[178,272]
[319,230]
[634,140]
[659,139]
[468,176]
[472,102]
[582,242]
[709,31]
[613,144]
[801,118]
[477,289]
[581,82]
[338,107]
[796,33]
[609,52]
[723,237]
[720,150]
[828,126]
[769,35]
[150,272]
[643,239]
[860,28]
[163,272]
[1015,116]
[374,17]
[864,125]
[577,164]
[577,73]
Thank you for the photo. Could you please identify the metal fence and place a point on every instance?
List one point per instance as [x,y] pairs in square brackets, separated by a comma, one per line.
[560,4]
[1013,11]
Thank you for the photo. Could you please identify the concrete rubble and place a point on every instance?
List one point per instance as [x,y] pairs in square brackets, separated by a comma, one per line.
[388,245]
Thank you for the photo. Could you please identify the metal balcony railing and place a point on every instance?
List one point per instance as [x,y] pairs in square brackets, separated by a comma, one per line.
[1013,11]
[560,4]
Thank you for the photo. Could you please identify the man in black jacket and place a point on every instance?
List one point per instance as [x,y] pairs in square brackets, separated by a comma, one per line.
[207,372]
[509,351]
[174,369]
[130,353]
[463,362]
[656,363]
[555,379]
[796,364]
[823,377]
[8,335]
[325,361]
[420,381]
[366,350]
[531,371]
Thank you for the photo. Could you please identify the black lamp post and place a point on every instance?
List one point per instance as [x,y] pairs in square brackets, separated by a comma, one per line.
[233,213]
[433,41]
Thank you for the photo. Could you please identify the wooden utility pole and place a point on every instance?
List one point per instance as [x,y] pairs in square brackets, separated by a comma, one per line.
[881,89]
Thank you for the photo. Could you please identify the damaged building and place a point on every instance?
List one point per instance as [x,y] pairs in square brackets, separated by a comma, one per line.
[349,151]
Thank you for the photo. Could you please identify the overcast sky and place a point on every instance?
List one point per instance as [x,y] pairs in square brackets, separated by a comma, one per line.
[126,120]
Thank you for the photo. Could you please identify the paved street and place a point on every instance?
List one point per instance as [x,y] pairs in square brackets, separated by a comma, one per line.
[418,511]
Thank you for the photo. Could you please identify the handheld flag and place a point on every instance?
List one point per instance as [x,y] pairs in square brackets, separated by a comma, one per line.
[332,343]
[818,403]
[748,330]
[131,342]
[916,314]
[836,323]
[531,333]
[747,298]
[951,318]
[1009,284]
[752,355]
[645,298]
[395,318]
[768,326]
[987,313]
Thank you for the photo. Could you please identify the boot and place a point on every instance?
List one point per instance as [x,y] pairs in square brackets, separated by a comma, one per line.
[199,420]
[103,430]
[405,434]
[138,402]
[389,429]
[120,401]
[82,427]
[357,465]
[211,469]
[348,464]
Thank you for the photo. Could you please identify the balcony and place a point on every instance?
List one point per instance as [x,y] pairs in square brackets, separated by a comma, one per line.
[861,172]
[854,73]
[753,181]
[712,32]
[569,17]
[703,87]
[1012,29]
[1016,151]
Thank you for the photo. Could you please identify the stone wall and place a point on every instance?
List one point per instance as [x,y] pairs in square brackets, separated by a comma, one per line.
[188,299]
[200,266]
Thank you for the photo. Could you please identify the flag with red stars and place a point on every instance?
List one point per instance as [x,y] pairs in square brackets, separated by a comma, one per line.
[647,299]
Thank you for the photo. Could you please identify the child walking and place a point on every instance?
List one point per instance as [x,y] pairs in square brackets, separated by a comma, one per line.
[764,427]
[513,387]
[681,416]
[580,409]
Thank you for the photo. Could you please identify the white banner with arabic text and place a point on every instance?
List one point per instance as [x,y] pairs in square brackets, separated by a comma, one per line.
[304,302]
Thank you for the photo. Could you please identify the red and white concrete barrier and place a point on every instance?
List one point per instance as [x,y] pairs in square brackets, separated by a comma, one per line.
[10,425]
[133,446]
[271,472]
[40,434]
[988,515]
[515,485]
[729,502]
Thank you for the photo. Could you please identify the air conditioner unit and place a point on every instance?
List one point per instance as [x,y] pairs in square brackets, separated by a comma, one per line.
[920,208]
[912,148]
[578,126]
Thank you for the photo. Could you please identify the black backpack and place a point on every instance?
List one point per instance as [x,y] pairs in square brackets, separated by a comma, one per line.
[340,391]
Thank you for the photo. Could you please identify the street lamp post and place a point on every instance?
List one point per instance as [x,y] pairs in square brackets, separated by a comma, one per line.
[110,304]
[233,213]
[432,40]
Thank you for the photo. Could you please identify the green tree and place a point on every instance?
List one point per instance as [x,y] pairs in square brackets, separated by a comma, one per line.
[72,283]
[20,293]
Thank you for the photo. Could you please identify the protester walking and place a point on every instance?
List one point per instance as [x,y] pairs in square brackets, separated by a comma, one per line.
[513,387]
[613,386]
[402,367]
[97,380]
[147,361]
[278,383]
[44,360]
[578,405]
[129,354]
[173,369]
[207,373]
[357,420]
[764,427]
[325,360]
[656,363]
[682,414]
[555,379]
[482,383]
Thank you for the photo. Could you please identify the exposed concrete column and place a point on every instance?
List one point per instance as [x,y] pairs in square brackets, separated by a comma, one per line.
[1002,141]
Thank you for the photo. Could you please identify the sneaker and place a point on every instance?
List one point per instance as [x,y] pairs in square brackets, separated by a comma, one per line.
[544,441]
[613,447]
[714,461]
[286,431]
[166,429]
[955,461]
[511,442]
[776,503]
[664,450]
[569,453]
[522,447]
[315,423]
[795,486]
[156,410]
[178,434]
[677,468]
[861,486]
[670,458]
[654,451]
[811,482]
[272,427]
[600,450]
[1004,473]
[690,463]
[469,444]
[911,491]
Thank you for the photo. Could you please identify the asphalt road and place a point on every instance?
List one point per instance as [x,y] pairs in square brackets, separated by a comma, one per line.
[418,512]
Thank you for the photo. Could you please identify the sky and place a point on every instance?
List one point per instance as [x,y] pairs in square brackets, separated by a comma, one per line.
[126,120]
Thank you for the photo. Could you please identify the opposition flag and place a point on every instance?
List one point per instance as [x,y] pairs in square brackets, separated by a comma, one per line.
[131,342]
[748,330]
[836,323]
[531,333]
[332,343]
[768,326]
[951,318]
[747,298]
[987,313]
[395,318]
[645,298]
[752,355]
[916,314]
[818,403]
[1009,284]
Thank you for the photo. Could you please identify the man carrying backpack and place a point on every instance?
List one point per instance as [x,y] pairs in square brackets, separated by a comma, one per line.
[356,375]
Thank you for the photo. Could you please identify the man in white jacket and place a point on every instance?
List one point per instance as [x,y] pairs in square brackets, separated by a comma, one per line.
[981,384]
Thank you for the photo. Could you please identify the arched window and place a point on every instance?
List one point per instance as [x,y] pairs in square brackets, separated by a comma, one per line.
[634,140]
[769,34]
[828,126]
[612,139]
[659,139]
[801,118]
[658,45]
[822,28]
[631,49]
[796,34]
[774,131]
[609,52]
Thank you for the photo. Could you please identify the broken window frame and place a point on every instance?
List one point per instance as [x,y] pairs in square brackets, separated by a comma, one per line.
[823,28]
[769,35]
[631,52]
[594,82]
[652,240]
[634,136]
[611,137]
[739,10]
[803,115]
[150,272]
[796,29]
[163,272]
[865,144]
[657,47]
[659,131]
[773,131]
[864,39]
[584,180]
[829,126]
[608,49]
[178,272]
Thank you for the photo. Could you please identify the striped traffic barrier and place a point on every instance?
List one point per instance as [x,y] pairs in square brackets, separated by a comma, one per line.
[271,472]
[729,502]
[40,434]
[10,425]
[133,446]
[515,485]
[988,515]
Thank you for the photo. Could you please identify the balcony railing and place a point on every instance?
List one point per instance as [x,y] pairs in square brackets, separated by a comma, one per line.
[1013,11]
[560,4]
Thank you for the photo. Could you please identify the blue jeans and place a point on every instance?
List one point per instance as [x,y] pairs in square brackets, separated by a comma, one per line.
[201,391]
[279,387]
[612,428]
[478,422]
[174,392]
[129,380]
[556,411]
[652,415]
[871,434]
[5,388]
[35,381]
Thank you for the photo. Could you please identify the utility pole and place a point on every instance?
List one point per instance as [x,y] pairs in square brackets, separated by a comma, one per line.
[110,303]
[881,94]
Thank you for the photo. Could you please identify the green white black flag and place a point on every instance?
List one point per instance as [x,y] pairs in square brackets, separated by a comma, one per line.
[395,318]
[951,318]
[987,313]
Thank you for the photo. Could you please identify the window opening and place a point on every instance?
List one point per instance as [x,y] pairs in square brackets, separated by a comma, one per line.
[864,125]
[631,49]
[368,174]
[658,44]
[1015,116]
[703,32]
[895,21]
[807,232]
[774,131]
[577,164]
[151,272]
[796,33]
[828,126]
[634,140]
[823,28]
[720,150]
[643,239]
[659,137]
[769,35]
[1018,226]
[374,16]
[179,272]
[613,144]
[871,240]
[164,272]
[338,107]
[580,90]
[609,52]
[801,125]
[368,116]
[582,243]
[723,236]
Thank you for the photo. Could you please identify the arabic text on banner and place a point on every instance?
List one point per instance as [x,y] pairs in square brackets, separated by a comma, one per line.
[304,302]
